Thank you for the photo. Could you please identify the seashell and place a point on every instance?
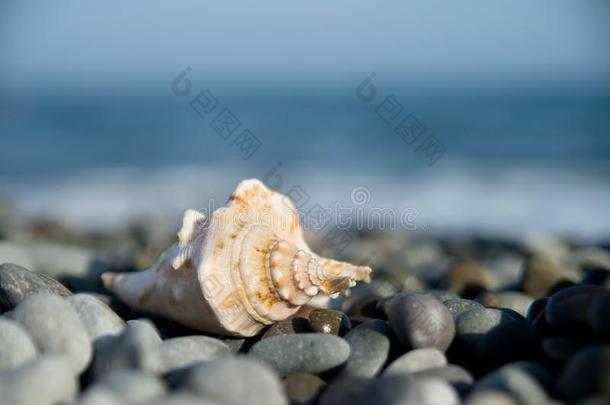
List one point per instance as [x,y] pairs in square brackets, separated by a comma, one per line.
[245,267]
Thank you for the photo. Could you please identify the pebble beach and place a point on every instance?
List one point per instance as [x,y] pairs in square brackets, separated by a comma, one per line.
[444,321]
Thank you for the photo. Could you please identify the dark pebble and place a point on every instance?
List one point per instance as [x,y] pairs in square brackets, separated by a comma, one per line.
[597,276]
[586,374]
[571,305]
[329,321]
[420,320]
[303,388]
[288,327]
[599,315]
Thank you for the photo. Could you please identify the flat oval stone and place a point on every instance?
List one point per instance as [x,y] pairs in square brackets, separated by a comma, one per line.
[417,360]
[236,381]
[55,327]
[47,379]
[571,304]
[303,388]
[16,346]
[187,350]
[288,327]
[98,318]
[420,320]
[370,347]
[329,321]
[304,352]
[17,283]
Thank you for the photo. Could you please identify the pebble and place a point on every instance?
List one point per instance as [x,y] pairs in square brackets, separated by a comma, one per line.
[515,382]
[471,326]
[17,282]
[586,374]
[235,381]
[560,348]
[329,321]
[187,350]
[571,305]
[98,318]
[455,375]
[131,386]
[597,276]
[599,315]
[417,360]
[458,306]
[488,397]
[442,295]
[516,301]
[535,309]
[509,341]
[370,347]
[304,352]
[303,388]
[391,390]
[420,320]
[16,346]
[46,380]
[467,279]
[538,276]
[183,398]
[55,327]
[99,396]
[288,327]
[138,347]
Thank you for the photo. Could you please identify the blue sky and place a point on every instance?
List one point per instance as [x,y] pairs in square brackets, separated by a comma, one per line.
[479,42]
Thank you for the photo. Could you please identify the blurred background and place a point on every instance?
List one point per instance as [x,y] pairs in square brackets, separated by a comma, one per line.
[486,119]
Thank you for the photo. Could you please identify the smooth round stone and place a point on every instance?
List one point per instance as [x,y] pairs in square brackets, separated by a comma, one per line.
[99,396]
[597,276]
[458,306]
[586,374]
[393,390]
[187,350]
[538,276]
[571,305]
[138,347]
[455,375]
[16,346]
[516,301]
[468,279]
[303,352]
[442,295]
[329,321]
[509,341]
[599,314]
[183,398]
[235,381]
[517,383]
[471,326]
[434,391]
[420,320]
[288,327]
[17,283]
[47,379]
[55,327]
[370,347]
[560,348]
[417,360]
[131,386]
[303,388]
[535,309]
[98,318]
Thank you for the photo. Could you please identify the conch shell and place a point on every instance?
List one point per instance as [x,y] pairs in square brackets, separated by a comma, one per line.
[244,268]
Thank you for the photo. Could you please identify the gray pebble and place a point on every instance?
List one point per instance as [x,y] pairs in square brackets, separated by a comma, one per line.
[515,382]
[17,282]
[46,380]
[458,306]
[442,295]
[304,352]
[138,347]
[455,375]
[131,386]
[399,389]
[55,327]
[16,346]
[235,381]
[98,318]
[516,301]
[187,350]
[471,326]
[571,304]
[420,320]
[99,396]
[303,388]
[370,347]
[417,360]
[183,398]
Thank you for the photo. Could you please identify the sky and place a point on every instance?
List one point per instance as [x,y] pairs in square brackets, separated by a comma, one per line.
[479,43]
